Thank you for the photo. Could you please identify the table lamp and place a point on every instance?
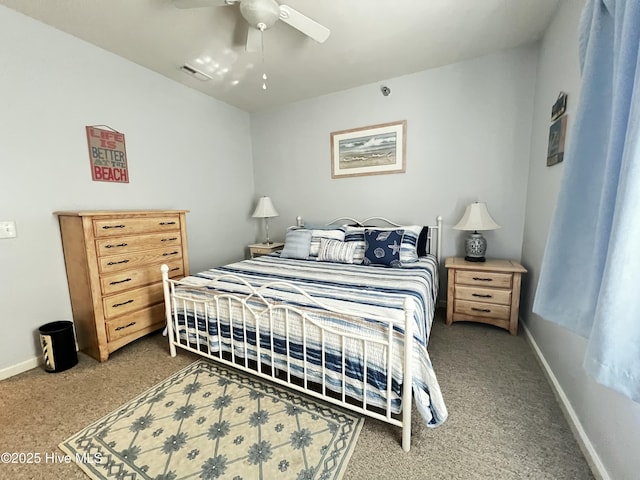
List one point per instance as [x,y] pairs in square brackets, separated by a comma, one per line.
[476,218]
[265,209]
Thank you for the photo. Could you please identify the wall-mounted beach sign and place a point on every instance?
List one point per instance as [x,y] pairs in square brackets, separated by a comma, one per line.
[107,154]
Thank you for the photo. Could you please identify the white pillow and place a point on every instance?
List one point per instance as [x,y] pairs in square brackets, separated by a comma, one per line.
[317,235]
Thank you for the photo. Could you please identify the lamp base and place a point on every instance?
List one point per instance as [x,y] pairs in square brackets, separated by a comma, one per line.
[475,246]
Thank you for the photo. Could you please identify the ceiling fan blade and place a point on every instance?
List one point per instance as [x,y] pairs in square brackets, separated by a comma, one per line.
[301,22]
[202,3]
[254,40]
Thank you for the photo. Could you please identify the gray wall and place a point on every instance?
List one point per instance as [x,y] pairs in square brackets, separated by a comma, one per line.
[477,130]
[185,151]
[608,422]
[468,133]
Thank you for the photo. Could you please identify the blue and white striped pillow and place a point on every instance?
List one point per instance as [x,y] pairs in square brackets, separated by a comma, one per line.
[336,251]
[297,244]
[317,235]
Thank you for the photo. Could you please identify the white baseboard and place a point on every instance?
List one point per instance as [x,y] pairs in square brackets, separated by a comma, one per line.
[21,367]
[572,418]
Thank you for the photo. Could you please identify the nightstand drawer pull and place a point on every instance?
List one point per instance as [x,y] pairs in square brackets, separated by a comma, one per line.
[174,269]
[481,296]
[483,279]
[118,245]
[116,263]
[486,310]
[121,304]
[125,326]
[113,226]
[169,239]
[167,223]
[120,281]
[169,253]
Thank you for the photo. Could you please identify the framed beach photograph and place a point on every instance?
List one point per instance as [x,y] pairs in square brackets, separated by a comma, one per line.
[374,150]
[557,134]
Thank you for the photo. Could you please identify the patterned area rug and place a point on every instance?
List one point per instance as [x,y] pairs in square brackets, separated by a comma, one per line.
[207,422]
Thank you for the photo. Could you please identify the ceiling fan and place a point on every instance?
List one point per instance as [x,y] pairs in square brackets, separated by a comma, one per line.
[262,15]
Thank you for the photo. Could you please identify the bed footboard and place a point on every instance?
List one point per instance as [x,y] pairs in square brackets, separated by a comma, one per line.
[360,362]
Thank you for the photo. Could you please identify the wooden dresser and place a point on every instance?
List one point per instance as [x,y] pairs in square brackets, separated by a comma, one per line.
[113,263]
[486,292]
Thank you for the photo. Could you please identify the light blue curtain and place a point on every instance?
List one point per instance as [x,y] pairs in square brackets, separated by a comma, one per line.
[590,276]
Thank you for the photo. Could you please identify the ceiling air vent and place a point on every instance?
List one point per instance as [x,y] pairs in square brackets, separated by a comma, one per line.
[195,72]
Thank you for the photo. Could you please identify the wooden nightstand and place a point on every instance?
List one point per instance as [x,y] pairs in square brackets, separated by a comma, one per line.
[486,292]
[257,249]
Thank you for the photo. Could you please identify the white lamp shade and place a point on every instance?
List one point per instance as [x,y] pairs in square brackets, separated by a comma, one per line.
[476,217]
[265,208]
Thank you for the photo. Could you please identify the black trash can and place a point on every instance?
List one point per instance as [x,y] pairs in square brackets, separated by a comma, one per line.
[58,346]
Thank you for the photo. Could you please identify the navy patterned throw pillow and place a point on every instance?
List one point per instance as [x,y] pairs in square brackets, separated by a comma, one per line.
[382,247]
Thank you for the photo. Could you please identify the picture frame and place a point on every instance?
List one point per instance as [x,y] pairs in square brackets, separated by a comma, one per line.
[560,106]
[107,154]
[557,134]
[373,150]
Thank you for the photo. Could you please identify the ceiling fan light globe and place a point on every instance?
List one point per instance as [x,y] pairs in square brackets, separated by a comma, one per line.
[256,12]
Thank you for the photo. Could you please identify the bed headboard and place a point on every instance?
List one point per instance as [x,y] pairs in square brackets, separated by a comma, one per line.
[434,233]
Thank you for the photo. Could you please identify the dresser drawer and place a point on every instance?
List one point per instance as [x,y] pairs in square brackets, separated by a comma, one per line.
[125,302]
[115,227]
[477,309]
[128,279]
[115,263]
[121,245]
[123,326]
[484,279]
[479,294]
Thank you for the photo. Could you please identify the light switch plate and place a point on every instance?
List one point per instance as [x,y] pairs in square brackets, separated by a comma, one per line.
[8,229]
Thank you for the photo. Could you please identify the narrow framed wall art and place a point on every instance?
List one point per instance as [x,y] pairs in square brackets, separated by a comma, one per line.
[557,134]
[107,154]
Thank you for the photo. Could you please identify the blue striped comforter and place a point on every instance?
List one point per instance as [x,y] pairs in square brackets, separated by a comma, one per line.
[372,290]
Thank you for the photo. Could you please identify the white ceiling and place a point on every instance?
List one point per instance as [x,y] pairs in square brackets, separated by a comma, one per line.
[370,41]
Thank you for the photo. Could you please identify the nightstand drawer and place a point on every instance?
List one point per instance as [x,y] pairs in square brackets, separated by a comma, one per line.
[475,309]
[477,294]
[484,279]
[258,249]
[261,250]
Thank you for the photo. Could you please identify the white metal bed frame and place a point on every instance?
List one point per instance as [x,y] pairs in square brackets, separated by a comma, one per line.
[264,317]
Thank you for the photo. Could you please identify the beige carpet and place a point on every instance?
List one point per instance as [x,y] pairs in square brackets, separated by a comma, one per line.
[504,421]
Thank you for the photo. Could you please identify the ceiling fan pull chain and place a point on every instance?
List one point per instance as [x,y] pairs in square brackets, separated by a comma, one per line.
[262,27]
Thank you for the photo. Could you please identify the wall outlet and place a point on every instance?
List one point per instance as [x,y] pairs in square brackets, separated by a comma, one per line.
[8,229]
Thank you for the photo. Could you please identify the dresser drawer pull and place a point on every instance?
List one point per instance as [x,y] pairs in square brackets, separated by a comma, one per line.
[125,326]
[174,269]
[121,304]
[483,279]
[118,245]
[113,226]
[120,281]
[116,263]
[169,239]
[169,253]
[486,310]
[167,223]
[480,295]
